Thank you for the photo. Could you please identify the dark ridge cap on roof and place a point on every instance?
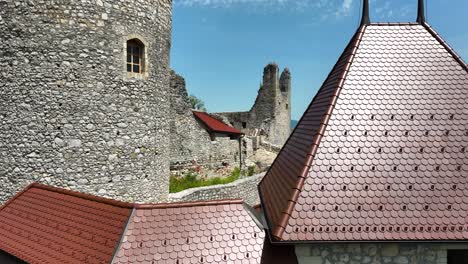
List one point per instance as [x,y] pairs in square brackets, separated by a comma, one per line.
[394,24]
[81,195]
[188,204]
[279,229]
[446,45]
[312,242]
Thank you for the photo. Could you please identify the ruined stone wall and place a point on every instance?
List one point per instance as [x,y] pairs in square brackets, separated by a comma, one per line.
[70,115]
[245,189]
[191,144]
[375,253]
[271,113]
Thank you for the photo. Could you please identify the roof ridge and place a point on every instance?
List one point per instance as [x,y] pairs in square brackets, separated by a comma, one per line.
[354,43]
[188,204]
[446,46]
[122,235]
[81,195]
[394,24]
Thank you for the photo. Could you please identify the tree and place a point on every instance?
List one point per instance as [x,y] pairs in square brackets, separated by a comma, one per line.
[197,103]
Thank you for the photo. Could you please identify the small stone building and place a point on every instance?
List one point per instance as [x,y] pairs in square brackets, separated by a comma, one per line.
[376,171]
[194,142]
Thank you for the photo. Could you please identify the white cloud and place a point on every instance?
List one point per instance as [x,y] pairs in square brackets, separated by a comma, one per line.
[338,7]
[345,8]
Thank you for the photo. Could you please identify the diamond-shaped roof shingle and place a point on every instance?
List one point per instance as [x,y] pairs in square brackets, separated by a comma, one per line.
[382,151]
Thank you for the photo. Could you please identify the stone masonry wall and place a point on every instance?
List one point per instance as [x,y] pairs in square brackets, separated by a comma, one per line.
[271,113]
[245,189]
[191,144]
[375,253]
[70,116]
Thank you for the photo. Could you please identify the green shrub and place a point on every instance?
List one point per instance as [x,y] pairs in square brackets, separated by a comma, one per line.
[178,184]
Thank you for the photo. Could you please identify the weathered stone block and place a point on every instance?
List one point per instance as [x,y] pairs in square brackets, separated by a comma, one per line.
[390,250]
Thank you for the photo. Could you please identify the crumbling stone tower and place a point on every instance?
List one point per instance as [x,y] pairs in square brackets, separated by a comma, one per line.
[83,96]
[272,108]
[271,112]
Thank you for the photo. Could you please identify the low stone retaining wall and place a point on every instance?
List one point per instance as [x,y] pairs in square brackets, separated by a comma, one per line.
[270,147]
[245,189]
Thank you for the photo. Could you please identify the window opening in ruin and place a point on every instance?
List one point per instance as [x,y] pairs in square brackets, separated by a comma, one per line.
[287,106]
[244,125]
[135,56]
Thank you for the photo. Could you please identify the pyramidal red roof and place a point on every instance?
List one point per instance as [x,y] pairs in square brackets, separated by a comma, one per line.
[381,153]
[43,224]
[215,125]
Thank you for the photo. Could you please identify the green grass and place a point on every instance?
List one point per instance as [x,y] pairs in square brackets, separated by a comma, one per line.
[178,184]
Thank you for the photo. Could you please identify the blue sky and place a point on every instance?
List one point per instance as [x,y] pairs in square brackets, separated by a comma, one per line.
[221,46]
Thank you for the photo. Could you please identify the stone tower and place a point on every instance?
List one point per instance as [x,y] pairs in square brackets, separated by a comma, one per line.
[272,109]
[83,96]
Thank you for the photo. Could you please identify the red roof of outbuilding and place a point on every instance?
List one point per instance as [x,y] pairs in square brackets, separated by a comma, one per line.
[50,225]
[215,125]
[196,232]
[381,152]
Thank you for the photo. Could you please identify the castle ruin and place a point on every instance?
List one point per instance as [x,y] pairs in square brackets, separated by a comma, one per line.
[89,102]
[270,116]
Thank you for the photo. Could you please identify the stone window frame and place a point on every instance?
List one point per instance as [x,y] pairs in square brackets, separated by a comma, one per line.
[146,62]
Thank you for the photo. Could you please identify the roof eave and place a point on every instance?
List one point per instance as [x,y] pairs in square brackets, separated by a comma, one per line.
[314,242]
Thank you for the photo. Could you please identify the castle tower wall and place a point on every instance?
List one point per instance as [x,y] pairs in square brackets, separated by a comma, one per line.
[264,108]
[70,114]
[282,121]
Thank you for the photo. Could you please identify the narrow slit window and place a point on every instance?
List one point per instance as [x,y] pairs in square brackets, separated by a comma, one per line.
[135,56]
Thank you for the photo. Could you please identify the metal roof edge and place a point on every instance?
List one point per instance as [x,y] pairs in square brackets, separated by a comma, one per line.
[117,248]
[315,242]
[188,204]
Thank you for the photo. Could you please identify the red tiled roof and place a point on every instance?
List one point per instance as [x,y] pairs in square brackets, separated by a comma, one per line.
[215,125]
[49,225]
[381,152]
[200,232]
